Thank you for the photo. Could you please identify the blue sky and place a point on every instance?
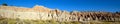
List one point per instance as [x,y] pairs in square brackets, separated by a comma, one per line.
[69,5]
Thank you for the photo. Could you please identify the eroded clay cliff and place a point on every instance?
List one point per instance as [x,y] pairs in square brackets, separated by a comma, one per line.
[44,13]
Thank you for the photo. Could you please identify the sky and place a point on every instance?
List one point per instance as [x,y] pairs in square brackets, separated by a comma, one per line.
[69,5]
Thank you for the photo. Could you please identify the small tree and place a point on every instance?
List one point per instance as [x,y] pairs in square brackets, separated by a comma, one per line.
[4,4]
[118,12]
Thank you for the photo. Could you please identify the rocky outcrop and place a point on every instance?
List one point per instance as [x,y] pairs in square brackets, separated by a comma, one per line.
[43,13]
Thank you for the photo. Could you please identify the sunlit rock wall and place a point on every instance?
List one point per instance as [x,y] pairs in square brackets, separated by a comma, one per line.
[43,13]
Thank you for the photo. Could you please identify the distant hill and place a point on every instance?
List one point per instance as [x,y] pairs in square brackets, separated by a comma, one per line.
[44,13]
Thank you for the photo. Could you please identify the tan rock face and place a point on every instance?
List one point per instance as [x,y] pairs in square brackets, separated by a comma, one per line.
[43,13]
[41,8]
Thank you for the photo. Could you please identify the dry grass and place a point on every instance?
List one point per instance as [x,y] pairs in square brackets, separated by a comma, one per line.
[18,21]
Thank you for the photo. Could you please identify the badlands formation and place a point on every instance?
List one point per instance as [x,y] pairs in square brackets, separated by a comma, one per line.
[44,13]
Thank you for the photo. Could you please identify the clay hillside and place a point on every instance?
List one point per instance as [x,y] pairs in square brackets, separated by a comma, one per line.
[44,13]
